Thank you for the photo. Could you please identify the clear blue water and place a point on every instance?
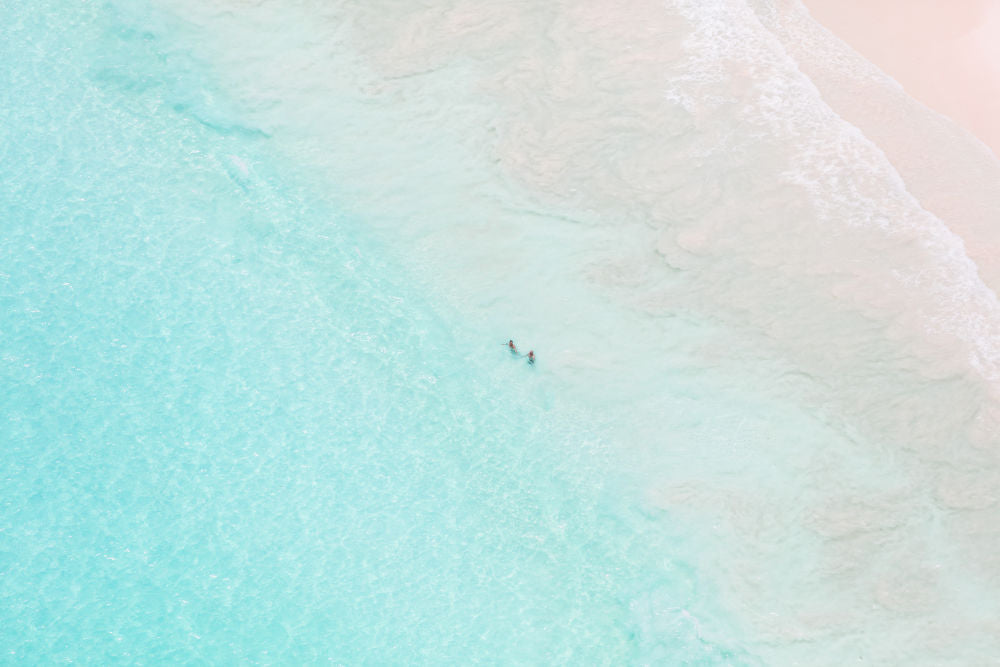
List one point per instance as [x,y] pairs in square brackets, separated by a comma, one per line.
[232,431]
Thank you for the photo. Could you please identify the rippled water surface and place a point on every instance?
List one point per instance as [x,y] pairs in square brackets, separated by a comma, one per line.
[232,430]
[258,264]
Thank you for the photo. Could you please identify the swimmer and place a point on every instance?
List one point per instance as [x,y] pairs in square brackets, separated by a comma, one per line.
[511,347]
[531,356]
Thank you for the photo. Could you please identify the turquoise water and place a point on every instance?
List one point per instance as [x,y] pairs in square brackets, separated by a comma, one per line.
[232,431]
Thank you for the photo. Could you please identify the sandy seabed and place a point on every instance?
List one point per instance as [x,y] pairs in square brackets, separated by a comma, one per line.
[788,265]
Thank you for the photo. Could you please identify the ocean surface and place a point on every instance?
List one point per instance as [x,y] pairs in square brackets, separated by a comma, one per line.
[258,265]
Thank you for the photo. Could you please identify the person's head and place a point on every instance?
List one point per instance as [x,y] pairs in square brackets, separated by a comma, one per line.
[531,354]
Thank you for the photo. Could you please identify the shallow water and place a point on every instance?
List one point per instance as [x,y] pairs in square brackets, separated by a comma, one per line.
[259,266]
[233,431]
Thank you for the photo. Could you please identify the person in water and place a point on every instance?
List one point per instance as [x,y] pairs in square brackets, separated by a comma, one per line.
[531,356]
[512,347]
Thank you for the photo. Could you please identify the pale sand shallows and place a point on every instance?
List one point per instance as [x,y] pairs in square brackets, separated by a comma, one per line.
[945,54]
[602,175]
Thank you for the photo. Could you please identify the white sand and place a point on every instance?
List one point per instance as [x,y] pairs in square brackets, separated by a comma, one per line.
[945,54]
